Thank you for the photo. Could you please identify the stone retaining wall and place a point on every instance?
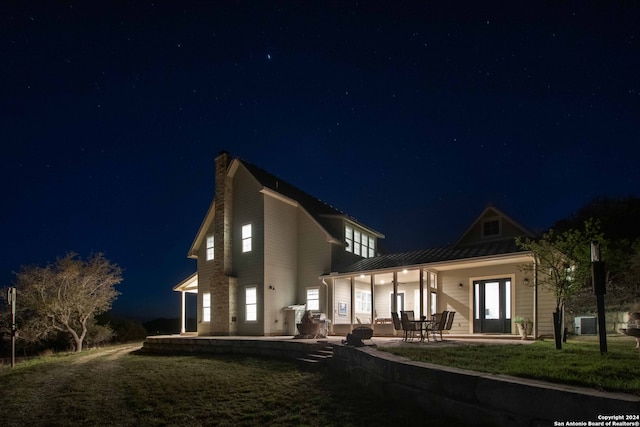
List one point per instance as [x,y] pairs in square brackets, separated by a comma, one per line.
[205,345]
[476,398]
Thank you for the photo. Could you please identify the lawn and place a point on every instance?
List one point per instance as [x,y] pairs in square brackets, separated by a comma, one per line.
[578,363]
[116,386]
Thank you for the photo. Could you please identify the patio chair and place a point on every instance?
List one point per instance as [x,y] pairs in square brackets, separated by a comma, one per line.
[397,325]
[408,325]
[449,324]
[439,323]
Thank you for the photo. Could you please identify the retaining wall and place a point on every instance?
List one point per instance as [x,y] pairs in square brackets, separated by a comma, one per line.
[481,399]
[290,349]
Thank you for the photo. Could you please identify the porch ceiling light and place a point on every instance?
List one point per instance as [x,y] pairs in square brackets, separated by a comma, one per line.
[526,281]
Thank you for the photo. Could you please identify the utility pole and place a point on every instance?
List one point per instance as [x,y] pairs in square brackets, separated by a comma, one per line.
[11,298]
[599,280]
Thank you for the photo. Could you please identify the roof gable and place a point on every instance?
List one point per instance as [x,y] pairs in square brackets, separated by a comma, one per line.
[490,226]
[322,213]
[471,245]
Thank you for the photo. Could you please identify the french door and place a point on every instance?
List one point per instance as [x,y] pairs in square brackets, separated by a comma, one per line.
[492,306]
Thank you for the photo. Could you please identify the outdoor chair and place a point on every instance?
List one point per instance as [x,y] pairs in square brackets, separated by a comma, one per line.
[408,325]
[449,323]
[397,324]
[439,323]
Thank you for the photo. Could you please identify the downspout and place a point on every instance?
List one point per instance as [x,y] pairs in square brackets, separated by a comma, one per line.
[326,303]
[373,304]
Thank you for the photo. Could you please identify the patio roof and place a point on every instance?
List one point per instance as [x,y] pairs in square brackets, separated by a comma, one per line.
[434,255]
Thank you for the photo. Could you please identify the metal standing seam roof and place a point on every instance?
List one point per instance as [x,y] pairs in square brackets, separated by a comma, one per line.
[427,256]
[321,211]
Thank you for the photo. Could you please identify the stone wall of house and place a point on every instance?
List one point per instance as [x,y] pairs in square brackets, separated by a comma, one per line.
[223,316]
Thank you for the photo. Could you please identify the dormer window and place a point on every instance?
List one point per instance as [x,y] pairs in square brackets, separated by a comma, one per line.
[359,242]
[491,227]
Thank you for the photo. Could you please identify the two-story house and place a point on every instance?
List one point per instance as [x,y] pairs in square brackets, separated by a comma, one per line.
[265,246]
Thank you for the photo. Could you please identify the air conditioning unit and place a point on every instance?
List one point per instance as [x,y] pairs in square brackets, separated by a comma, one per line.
[585,325]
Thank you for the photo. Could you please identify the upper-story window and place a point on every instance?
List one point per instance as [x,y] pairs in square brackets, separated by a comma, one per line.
[210,248]
[491,227]
[246,238]
[359,242]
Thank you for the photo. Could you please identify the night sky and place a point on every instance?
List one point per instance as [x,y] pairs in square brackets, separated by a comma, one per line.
[409,116]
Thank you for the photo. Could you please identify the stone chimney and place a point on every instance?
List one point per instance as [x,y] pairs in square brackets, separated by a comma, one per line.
[222,284]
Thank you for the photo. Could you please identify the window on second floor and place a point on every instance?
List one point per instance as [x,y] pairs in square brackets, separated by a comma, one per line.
[359,242]
[246,238]
[491,227]
[210,248]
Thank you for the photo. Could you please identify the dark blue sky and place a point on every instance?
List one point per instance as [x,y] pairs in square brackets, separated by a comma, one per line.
[410,116]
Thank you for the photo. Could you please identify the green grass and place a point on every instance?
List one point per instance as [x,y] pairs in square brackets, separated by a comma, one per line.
[128,389]
[578,363]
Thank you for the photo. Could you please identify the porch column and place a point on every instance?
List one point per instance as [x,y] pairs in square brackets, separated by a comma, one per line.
[422,293]
[373,303]
[183,312]
[395,292]
[353,300]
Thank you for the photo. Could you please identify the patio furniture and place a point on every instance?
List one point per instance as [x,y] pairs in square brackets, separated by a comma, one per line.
[449,323]
[410,325]
[397,324]
[439,323]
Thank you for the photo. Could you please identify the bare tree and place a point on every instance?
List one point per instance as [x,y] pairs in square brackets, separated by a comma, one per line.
[65,296]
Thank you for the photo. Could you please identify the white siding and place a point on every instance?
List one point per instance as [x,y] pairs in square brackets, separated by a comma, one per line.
[314,258]
[248,207]
[452,297]
[280,262]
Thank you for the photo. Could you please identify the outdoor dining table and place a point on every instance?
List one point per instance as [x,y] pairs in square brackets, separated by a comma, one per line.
[423,324]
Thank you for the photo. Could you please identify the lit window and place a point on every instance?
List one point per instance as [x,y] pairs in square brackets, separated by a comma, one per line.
[313,299]
[356,242]
[372,249]
[246,238]
[359,242]
[251,304]
[210,250]
[348,231]
[433,280]
[363,302]
[434,303]
[206,307]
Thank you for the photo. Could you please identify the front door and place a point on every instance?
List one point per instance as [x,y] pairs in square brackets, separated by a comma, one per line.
[492,306]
